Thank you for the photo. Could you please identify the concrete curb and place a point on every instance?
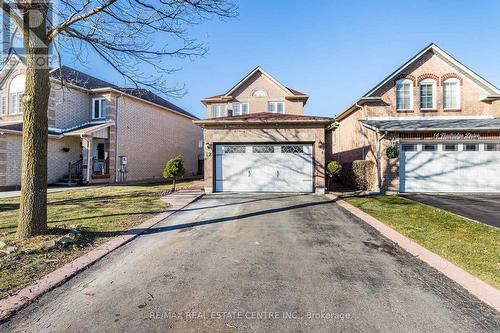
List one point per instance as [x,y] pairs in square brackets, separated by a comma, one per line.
[474,285]
[14,303]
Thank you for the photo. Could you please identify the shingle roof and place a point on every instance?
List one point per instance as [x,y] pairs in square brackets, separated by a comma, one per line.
[79,79]
[18,127]
[416,125]
[266,117]
[153,98]
[86,81]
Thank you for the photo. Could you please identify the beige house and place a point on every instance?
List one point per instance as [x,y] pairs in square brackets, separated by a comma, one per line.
[257,139]
[98,132]
[442,120]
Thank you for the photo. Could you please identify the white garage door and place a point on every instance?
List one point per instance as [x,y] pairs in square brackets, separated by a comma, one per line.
[450,167]
[264,168]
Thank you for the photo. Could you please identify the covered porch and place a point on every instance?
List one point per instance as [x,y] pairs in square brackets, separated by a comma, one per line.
[96,152]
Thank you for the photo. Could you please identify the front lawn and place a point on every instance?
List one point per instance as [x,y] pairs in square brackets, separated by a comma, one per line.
[97,214]
[473,246]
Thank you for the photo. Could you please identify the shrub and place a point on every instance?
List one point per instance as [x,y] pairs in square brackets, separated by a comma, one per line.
[333,169]
[359,175]
[174,169]
[392,152]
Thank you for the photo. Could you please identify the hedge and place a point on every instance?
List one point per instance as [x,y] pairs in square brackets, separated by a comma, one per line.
[359,175]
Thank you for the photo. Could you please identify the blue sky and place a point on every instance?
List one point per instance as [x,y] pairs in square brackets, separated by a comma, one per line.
[334,51]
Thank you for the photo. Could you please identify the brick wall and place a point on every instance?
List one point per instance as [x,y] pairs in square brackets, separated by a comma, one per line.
[259,104]
[272,134]
[435,67]
[57,162]
[68,106]
[149,136]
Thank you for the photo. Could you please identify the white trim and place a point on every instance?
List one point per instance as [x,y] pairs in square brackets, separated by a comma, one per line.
[223,114]
[433,84]
[276,106]
[240,104]
[258,69]
[445,55]
[401,82]
[428,117]
[459,93]
[101,115]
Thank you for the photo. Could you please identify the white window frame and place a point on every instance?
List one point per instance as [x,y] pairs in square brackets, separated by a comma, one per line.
[239,104]
[222,112]
[457,82]
[275,103]
[17,107]
[432,82]
[400,83]
[3,107]
[101,100]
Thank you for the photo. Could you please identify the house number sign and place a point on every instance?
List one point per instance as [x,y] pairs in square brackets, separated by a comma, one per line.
[457,136]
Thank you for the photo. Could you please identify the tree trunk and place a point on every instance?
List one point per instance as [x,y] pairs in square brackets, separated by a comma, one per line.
[173,183]
[33,201]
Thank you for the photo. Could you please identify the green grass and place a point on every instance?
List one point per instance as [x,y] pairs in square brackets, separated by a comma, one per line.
[473,246]
[100,213]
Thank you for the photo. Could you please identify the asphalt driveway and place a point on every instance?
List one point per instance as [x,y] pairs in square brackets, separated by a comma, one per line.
[255,263]
[483,208]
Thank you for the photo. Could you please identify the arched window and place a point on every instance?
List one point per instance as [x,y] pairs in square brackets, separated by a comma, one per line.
[428,94]
[404,94]
[16,91]
[259,93]
[451,93]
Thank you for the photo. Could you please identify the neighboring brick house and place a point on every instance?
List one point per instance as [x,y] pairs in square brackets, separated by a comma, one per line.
[443,118]
[97,131]
[257,139]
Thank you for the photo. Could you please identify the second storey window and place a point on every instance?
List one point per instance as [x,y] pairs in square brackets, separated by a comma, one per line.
[240,108]
[428,94]
[16,91]
[276,107]
[98,108]
[451,94]
[218,110]
[404,95]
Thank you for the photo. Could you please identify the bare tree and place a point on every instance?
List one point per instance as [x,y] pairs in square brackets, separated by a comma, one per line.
[126,34]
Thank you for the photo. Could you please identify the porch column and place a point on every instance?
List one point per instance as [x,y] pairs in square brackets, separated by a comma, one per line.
[87,157]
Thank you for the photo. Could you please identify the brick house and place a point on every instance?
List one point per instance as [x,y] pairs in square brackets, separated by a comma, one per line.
[443,118]
[98,132]
[257,139]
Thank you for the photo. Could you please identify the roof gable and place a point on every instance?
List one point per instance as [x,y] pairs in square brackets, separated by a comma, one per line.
[258,69]
[447,58]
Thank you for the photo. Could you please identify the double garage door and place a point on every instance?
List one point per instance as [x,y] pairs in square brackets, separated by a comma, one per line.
[264,168]
[450,167]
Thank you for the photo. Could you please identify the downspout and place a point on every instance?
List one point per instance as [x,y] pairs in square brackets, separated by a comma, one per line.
[116,138]
[363,134]
[379,148]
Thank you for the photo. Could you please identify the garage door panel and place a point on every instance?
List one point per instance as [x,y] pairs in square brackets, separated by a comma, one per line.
[264,168]
[450,171]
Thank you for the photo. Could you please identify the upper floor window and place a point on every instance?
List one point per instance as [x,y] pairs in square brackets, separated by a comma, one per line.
[451,94]
[404,95]
[218,110]
[16,91]
[428,94]
[240,108]
[276,107]
[98,108]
